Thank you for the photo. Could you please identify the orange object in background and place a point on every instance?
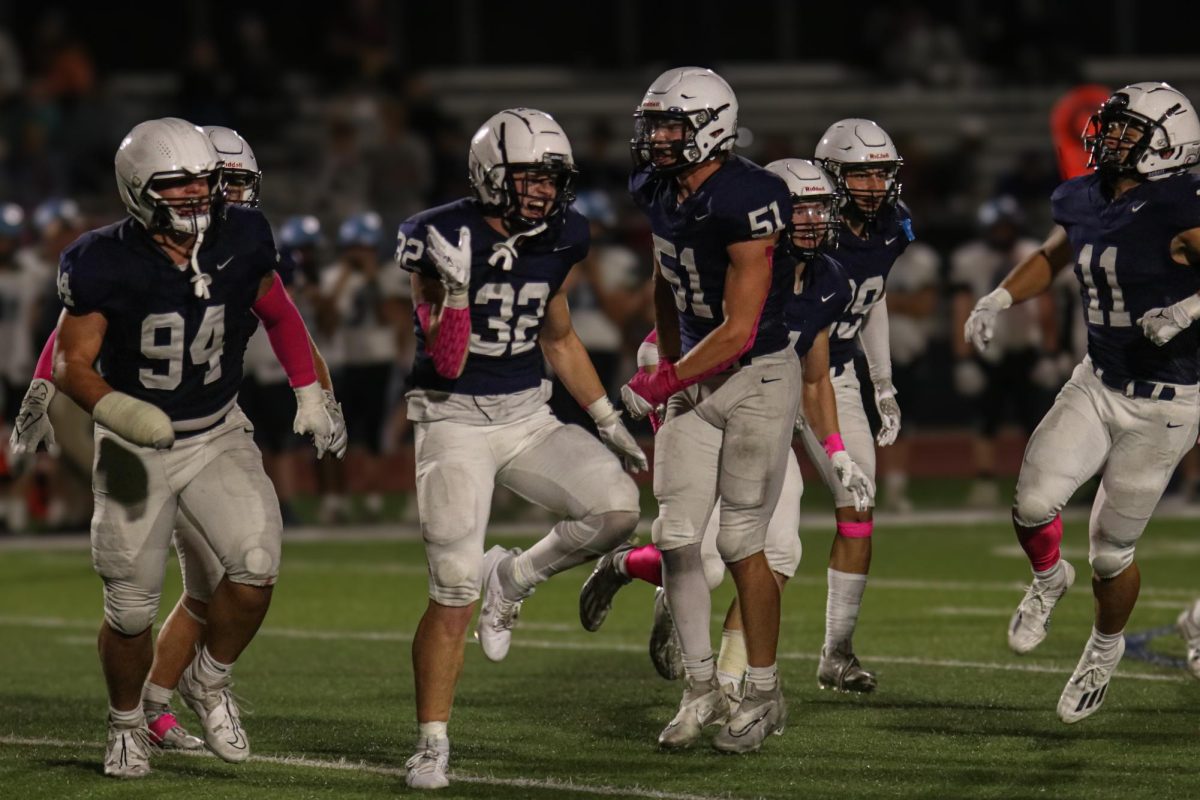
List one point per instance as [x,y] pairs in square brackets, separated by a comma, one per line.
[1068,118]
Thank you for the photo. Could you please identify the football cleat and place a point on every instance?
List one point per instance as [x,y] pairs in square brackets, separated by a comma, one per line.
[219,715]
[703,704]
[127,754]
[1085,692]
[1031,621]
[596,596]
[427,767]
[167,734]
[842,673]
[1189,629]
[759,714]
[665,650]
[499,614]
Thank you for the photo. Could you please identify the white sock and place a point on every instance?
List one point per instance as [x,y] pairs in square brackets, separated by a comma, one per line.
[1105,643]
[209,671]
[701,669]
[841,608]
[1051,575]
[691,607]
[134,718]
[731,660]
[155,698]
[432,730]
[765,678]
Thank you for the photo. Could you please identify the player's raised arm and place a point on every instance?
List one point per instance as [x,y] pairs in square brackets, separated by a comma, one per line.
[1030,278]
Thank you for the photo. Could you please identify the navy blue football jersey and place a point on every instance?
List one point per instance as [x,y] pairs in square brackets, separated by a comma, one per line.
[824,296]
[738,202]
[163,344]
[867,261]
[1124,267]
[508,296]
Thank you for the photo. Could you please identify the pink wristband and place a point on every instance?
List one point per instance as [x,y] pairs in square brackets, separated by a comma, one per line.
[454,334]
[833,444]
[45,363]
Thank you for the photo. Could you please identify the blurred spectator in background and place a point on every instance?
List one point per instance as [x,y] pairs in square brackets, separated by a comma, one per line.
[205,86]
[1030,182]
[603,159]
[18,293]
[912,302]
[926,51]
[57,222]
[1019,371]
[400,166]
[367,301]
[359,45]
[342,184]
[262,101]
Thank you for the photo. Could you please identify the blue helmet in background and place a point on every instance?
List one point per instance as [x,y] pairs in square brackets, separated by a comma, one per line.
[361,230]
[57,209]
[300,231]
[12,220]
[597,206]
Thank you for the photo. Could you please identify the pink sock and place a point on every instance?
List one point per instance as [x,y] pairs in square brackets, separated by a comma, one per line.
[645,564]
[1041,542]
[856,530]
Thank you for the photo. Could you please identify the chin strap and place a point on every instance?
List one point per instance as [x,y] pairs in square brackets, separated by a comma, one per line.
[505,253]
[200,280]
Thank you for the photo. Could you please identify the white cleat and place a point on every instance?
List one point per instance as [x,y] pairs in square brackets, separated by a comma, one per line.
[1031,621]
[219,715]
[427,767]
[1088,686]
[843,673]
[167,734]
[1189,629]
[703,704]
[759,714]
[499,614]
[127,754]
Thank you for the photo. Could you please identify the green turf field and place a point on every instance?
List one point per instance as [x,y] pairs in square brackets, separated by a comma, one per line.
[572,714]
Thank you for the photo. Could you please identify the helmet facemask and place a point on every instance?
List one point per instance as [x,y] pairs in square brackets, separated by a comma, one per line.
[532,194]
[189,214]
[1117,138]
[814,224]
[242,187]
[866,202]
[665,141]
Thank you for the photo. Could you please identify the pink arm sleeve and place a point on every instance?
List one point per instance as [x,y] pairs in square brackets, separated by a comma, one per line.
[288,336]
[454,334]
[45,362]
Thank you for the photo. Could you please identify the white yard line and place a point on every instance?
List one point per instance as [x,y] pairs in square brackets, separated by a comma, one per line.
[605,645]
[543,784]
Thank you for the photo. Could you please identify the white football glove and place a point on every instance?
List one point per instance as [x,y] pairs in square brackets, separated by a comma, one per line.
[616,436]
[969,378]
[889,413]
[981,325]
[312,418]
[1161,325]
[338,437]
[453,262]
[32,425]
[637,406]
[853,479]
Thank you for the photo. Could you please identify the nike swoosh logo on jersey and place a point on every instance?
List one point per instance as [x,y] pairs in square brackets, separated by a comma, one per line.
[1136,207]
[887,242]
[771,380]
[699,217]
[224,264]
[826,297]
[560,249]
[1169,425]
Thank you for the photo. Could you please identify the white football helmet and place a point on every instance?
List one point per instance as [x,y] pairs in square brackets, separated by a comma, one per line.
[529,142]
[815,204]
[860,144]
[1169,133]
[243,178]
[697,99]
[162,152]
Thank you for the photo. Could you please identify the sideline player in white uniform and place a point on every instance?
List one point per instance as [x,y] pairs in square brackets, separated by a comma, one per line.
[486,277]
[730,382]
[168,430]
[1131,229]
[819,296]
[876,229]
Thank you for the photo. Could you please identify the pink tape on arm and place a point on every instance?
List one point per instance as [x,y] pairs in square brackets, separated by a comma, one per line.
[833,443]
[45,362]
[855,530]
[1041,543]
[454,334]
[287,334]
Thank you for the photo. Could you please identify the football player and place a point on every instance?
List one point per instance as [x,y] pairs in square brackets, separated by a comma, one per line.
[820,294]
[169,432]
[1131,231]
[875,230]
[729,380]
[486,277]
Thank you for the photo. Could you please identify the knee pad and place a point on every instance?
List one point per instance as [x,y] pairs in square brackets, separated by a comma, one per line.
[737,543]
[714,568]
[455,576]
[257,564]
[1033,507]
[599,533]
[128,609]
[783,554]
[1112,540]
